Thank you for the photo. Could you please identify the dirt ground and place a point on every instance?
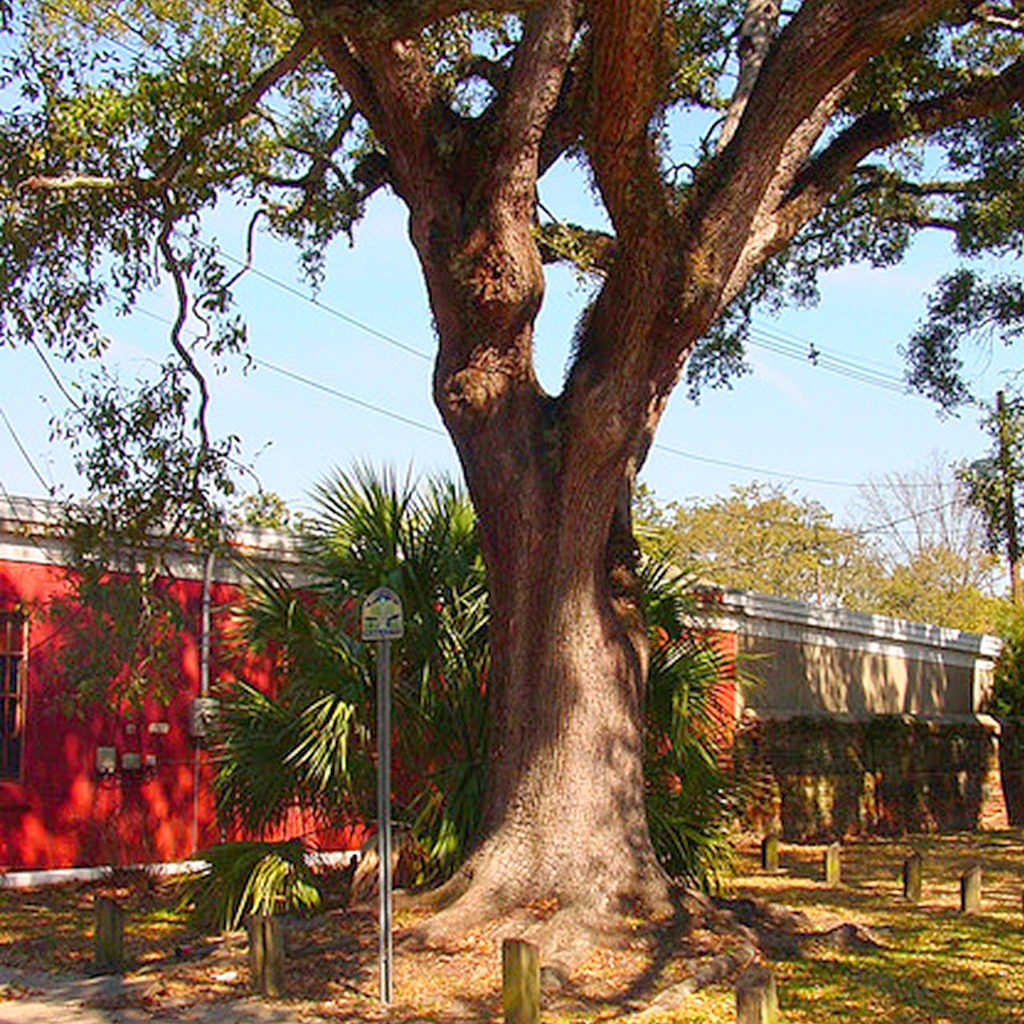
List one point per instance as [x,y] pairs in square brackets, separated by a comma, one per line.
[332,971]
[332,961]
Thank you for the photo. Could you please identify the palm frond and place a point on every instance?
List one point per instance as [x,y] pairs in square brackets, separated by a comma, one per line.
[244,878]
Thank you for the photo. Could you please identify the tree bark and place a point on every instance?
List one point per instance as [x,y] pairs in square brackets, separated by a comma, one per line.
[564,818]
[564,821]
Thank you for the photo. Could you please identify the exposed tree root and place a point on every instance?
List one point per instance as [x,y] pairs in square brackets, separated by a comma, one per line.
[704,941]
[781,932]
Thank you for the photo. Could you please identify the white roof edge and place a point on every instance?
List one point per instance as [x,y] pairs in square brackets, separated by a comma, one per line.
[766,607]
[38,518]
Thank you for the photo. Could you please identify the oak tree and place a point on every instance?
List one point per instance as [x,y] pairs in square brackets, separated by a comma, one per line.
[737,148]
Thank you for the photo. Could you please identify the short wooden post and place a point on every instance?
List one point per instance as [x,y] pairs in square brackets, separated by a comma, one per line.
[970,890]
[108,941]
[757,1000]
[266,954]
[832,864]
[770,853]
[520,982]
[913,868]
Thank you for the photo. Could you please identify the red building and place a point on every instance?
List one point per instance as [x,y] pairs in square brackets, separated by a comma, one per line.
[107,788]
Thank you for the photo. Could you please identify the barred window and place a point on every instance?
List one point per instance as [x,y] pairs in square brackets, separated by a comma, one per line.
[12,692]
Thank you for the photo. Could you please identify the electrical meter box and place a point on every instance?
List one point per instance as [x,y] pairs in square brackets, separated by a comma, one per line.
[202,717]
[106,760]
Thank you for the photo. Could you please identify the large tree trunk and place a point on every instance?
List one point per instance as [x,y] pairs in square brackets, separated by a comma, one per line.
[564,824]
[564,820]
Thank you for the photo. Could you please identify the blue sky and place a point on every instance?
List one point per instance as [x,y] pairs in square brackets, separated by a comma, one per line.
[793,423]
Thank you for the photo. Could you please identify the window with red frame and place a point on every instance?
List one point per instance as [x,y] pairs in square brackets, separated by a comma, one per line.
[12,687]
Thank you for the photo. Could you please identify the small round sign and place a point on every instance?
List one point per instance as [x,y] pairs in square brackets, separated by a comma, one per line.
[382,616]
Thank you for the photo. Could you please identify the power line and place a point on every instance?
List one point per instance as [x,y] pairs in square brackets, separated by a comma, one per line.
[327,389]
[725,463]
[313,301]
[25,455]
[822,358]
[781,334]
[419,424]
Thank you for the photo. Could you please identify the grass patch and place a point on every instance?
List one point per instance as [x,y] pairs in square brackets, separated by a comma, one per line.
[939,965]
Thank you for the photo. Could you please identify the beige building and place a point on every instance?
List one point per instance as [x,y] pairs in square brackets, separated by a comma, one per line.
[862,724]
[828,661]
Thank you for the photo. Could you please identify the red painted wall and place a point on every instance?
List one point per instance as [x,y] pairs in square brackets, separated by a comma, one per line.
[61,812]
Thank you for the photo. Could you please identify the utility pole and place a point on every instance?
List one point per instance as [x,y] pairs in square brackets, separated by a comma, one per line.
[1010,510]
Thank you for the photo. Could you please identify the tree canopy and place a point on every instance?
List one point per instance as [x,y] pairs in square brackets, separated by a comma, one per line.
[125,127]
[762,538]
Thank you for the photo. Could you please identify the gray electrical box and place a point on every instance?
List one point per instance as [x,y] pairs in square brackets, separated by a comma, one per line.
[202,717]
[106,760]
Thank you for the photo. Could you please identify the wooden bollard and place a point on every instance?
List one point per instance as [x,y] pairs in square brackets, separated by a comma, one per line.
[757,1000]
[520,981]
[770,853]
[108,940]
[266,954]
[832,864]
[970,890]
[913,868]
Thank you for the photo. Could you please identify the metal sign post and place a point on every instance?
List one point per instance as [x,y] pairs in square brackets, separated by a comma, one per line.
[382,623]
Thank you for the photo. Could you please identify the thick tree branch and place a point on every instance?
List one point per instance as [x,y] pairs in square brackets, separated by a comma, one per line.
[392,84]
[877,130]
[77,182]
[802,78]
[626,42]
[805,73]
[565,127]
[531,94]
[352,76]
[756,33]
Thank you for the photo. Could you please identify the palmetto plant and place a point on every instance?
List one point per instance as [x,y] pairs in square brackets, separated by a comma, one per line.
[693,796]
[310,744]
[246,878]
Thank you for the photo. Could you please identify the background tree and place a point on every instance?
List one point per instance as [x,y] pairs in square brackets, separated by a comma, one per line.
[931,547]
[995,485]
[837,130]
[763,538]
[920,551]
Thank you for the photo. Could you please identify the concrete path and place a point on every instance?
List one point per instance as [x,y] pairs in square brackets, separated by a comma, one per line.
[68,999]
